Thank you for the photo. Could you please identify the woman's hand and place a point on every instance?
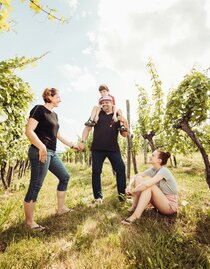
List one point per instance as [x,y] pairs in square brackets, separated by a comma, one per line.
[75,146]
[43,154]
[128,191]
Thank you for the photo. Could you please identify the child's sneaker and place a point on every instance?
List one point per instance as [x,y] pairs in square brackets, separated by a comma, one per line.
[123,129]
[90,123]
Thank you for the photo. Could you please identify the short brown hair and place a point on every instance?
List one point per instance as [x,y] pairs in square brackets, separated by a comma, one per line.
[164,156]
[49,92]
[103,87]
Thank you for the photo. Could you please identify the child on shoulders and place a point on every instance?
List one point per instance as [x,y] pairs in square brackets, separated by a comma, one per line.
[92,121]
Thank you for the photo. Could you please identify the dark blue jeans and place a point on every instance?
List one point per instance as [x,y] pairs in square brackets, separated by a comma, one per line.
[39,171]
[118,165]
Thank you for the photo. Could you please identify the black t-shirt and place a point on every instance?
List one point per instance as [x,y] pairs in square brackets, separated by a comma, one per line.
[47,127]
[105,133]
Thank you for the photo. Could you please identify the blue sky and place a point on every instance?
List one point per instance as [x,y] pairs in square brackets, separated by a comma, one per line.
[108,42]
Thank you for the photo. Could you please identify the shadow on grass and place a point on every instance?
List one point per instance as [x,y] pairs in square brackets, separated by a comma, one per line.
[159,242]
[107,218]
[57,226]
[154,239]
[161,249]
[203,231]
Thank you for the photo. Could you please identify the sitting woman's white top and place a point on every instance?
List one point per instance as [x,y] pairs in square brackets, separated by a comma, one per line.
[167,184]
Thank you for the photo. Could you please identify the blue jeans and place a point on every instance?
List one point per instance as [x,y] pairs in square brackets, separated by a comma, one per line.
[39,171]
[118,165]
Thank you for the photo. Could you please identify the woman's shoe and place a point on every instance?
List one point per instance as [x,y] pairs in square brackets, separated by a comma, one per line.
[126,222]
[64,211]
[36,227]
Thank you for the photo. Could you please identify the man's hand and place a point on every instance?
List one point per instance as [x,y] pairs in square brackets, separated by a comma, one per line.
[81,146]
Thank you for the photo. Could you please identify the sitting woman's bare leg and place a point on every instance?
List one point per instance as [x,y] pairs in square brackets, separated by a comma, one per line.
[160,201]
[135,197]
[143,201]
[156,197]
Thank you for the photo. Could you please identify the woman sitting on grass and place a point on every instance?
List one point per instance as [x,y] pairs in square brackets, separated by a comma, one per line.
[159,189]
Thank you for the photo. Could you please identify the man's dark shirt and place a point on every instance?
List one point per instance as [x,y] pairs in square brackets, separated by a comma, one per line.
[105,133]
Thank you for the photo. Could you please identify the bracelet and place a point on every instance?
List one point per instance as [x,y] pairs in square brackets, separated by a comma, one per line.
[83,142]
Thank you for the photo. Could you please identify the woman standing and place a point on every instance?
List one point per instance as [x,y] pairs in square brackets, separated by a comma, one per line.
[159,189]
[42,131]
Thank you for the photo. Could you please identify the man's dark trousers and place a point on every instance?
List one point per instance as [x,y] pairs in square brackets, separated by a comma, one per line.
[98,157]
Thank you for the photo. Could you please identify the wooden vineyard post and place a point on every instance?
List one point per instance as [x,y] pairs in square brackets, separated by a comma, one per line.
[145,151]
[128,141]
[133,156]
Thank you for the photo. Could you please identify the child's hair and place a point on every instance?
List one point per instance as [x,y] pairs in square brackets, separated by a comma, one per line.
[164,156]
[103,87]
[49,92]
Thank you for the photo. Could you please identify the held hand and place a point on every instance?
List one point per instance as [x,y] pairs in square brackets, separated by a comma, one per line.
[76,147]
[43,154]
[81,146]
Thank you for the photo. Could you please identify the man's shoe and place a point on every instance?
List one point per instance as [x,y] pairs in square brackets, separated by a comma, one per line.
[122,197]
[98,201]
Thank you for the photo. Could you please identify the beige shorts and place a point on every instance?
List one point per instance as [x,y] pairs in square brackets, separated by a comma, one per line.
[173,202]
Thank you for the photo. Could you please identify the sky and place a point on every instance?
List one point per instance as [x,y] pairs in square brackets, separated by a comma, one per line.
[107,41]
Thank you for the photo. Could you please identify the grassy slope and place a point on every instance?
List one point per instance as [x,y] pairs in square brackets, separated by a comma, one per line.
[92,237]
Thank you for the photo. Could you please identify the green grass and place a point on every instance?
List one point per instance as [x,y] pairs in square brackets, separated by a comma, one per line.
[92,236]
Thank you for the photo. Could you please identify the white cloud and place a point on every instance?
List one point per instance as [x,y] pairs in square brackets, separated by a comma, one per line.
[174,33]
[207,9]
[66,89]
[73,4]
[87,50]
[91,36]
[67,121]
[85,13]
[80,79]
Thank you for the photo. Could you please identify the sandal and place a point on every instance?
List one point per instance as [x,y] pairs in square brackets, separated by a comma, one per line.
[64,211]
[36,228]
[126,222]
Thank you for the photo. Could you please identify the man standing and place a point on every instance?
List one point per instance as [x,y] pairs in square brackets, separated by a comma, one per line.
[104,145]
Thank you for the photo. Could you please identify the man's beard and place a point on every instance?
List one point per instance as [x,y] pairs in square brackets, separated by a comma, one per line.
[107,108]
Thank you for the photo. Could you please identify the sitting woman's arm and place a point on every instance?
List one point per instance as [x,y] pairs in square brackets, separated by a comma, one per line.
[147,183]
[132,182]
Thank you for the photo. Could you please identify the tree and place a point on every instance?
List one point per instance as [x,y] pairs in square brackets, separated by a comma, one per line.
[35,5]
[15,98]
[150,114]
[187,109]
